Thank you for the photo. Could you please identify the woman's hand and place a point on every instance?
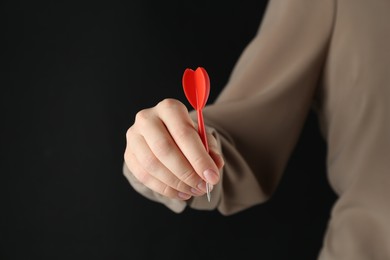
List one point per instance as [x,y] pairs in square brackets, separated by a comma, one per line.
[165,153]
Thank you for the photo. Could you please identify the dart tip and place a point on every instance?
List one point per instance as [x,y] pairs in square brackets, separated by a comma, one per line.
[208,192]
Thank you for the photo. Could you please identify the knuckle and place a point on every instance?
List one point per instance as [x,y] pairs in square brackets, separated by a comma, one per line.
[129,161]
[185,181]
[166,191]
[129,133]
[142,116]
[188,177]
[126,155]
[170,103]
[179,185]
[132,141]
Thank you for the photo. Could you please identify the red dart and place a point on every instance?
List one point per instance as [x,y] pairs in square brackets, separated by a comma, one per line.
[196,85]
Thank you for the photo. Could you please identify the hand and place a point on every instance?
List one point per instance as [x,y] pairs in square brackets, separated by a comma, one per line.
[165,153]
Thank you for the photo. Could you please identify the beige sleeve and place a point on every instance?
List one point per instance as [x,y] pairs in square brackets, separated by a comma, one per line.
[258,116]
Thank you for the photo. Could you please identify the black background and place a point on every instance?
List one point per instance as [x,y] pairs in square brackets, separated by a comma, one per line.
[74,75]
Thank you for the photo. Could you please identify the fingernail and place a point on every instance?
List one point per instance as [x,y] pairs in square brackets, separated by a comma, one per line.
[211,176]
[183,195]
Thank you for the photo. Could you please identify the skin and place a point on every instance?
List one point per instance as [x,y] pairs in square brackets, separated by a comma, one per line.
[165,153]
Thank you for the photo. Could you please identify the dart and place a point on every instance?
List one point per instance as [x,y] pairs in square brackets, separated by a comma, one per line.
[196,85]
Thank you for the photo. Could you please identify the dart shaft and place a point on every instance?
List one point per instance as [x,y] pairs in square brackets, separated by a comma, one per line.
[203,137]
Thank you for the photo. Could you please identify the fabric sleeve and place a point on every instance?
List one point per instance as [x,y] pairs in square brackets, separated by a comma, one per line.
[258,116]
[261,111]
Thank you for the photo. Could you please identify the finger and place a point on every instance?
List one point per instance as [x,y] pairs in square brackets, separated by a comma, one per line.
[180,126]
[150,181]
[164,150]
[153,166]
